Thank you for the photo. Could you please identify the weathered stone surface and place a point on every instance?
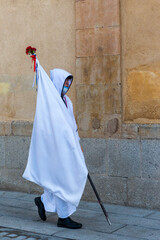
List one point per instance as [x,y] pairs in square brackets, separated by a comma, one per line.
[28,226]
[98,70]
[138,232]
[151,159]
[124,159]
[130,131]
[91,125]
[93,13]
[5,128]
[145,15]
[141,60]
[112,126]
[11,179]
[154,215]
[96,123]
[95,154]
[112,99]
[2,152]
[142,94]
[16,149]
[106,119]
[84,122]
[17,98]
[144,193]
[22,128]
[90,99]
[98,42]
[99,99]
[111,189]
[149,131]
[124,164]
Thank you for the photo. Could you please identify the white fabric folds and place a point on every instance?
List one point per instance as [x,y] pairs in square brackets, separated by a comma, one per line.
[55,161]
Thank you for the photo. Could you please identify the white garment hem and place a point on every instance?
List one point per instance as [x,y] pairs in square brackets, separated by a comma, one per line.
[59,215]
[65,216]
[55,204]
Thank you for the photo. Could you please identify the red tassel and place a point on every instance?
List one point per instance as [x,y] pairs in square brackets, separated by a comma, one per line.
[34,60]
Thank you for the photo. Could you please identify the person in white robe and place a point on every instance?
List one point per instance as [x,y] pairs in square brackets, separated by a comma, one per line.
[56,161]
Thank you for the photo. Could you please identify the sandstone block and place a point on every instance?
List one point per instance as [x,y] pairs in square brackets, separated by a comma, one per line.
[98,42]
[112,99]
[5,128]
[85,43]
[93,13]
[151,159]
[124,158]
[149,131]
[16,149]
[98,70]
[129,131]
[90,125]
[84,122]
[141,103]
[22,128]
[90,99]
[111,189]
[112,126]
[95,154]
[99,99]
[96,123]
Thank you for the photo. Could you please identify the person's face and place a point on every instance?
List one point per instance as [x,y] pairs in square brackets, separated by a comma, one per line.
[67,82]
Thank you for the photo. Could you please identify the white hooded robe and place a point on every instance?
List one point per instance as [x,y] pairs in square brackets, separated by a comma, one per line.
[56,161]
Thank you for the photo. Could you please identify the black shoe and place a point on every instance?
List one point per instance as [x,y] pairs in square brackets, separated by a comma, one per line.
[68,223]
[41,209]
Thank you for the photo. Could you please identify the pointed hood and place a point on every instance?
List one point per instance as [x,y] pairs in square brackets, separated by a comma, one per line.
[58,77]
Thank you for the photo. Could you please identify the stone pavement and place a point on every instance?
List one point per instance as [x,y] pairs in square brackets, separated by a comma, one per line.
[19,221]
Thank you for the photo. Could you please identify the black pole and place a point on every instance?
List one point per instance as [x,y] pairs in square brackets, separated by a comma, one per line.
[99,200]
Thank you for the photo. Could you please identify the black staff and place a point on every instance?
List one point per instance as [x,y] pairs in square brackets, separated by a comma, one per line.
[99,200]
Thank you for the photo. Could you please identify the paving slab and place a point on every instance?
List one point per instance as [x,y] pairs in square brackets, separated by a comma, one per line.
[9,194]
[19,220]
[15,203]
[91,235]
[89,214]
[155,215]
[27,225]
[19,213]
[94,224]
[82,234]
[135,221]
[28,197]
[110,208]
[139,232]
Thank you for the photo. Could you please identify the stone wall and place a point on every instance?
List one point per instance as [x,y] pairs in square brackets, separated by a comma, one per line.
[45,24]
[125,171]
[98,82]
[140,60]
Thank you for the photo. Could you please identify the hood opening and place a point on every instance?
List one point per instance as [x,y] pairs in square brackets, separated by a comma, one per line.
[58,77]
[66,86]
